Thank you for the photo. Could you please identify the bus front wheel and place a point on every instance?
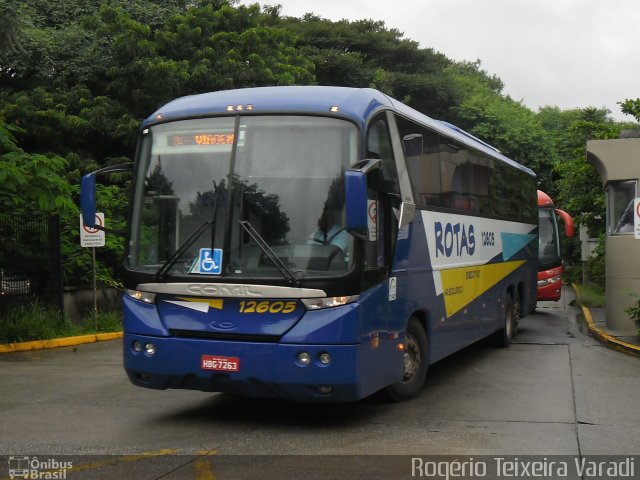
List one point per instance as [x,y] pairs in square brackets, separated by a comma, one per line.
[415,363]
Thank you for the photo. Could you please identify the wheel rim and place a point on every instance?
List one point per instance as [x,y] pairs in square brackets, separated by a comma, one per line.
[412,358]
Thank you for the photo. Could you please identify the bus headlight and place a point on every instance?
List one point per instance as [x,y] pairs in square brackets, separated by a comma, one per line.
[328,302]
[549,281]
[145,297]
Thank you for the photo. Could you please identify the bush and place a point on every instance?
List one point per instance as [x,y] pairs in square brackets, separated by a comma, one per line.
[634,311]
[32,321]
[37,321]
[595,266]
[572,273]
[591,296]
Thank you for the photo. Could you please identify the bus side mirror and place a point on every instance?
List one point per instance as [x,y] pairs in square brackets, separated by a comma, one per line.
[88,199]
[355,183]
[356,203]
[413,145]
[88,193]
[568,222]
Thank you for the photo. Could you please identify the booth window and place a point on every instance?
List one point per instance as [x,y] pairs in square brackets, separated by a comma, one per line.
[620,196]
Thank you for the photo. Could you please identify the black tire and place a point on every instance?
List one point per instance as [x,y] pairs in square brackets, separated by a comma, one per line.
[505,334]
[517,315]
[416,363]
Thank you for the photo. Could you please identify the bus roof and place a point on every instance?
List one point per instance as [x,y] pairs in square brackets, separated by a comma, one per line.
[356,104]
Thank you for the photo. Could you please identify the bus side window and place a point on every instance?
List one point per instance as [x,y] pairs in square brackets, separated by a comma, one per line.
[422,156]
[379,146]
[458,186]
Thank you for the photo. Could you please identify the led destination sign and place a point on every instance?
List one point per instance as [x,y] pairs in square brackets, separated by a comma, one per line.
[202,139]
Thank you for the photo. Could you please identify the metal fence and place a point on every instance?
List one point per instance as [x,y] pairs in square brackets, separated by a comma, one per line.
[30,264]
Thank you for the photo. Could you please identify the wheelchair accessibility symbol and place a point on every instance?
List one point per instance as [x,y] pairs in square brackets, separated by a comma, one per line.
[209,262]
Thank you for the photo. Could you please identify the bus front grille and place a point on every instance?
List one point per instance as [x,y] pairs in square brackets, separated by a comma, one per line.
[234,337]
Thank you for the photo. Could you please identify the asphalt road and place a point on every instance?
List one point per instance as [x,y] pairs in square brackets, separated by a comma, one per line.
[555,391]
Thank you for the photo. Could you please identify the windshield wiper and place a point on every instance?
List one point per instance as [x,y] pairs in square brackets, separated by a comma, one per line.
[264,246]
[171,261]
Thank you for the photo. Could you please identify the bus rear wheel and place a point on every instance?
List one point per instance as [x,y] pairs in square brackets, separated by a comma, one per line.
[415,363]
[506,333]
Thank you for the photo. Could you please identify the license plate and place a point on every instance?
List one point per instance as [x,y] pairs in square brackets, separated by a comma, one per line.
[224,364]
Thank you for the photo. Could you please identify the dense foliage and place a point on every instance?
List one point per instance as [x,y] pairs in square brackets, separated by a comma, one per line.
[76,79]
[631,107]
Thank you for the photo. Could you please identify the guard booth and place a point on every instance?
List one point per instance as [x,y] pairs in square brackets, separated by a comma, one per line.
[618,163]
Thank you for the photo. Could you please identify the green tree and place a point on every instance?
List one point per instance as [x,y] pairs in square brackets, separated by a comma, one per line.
[631,107]
[209,46]
[77,78]
[84,74]
[365,53]
[500,121]
[9,31]
[32,181]
[93,70]
[579,186]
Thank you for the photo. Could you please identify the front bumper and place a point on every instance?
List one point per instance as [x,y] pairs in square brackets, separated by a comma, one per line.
[265,369]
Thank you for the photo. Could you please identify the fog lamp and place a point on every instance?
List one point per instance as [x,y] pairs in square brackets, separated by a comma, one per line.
[325,358]
[150,349]
[304,358]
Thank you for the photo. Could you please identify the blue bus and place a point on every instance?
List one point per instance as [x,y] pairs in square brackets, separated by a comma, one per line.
[317,244]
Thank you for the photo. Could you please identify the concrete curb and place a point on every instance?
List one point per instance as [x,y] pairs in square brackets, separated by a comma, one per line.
[59,342]
[604,337]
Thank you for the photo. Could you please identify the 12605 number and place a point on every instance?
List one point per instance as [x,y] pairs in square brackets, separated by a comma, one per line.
[251,306]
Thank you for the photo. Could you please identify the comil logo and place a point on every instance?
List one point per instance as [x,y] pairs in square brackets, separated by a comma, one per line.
[36,469]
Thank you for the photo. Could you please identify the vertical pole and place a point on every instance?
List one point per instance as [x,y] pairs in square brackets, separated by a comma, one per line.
[95,288]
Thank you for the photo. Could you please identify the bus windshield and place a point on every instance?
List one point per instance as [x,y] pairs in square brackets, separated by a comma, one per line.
[549,245]
[222,196]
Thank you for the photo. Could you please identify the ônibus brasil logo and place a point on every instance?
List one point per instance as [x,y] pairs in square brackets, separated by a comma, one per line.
[35,468]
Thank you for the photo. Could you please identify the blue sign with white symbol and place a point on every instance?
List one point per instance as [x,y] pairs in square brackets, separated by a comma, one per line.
[209,262]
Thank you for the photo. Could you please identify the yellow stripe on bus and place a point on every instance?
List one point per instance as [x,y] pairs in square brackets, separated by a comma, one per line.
[463,285]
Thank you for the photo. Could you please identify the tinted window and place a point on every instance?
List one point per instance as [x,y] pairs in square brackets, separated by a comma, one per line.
[620,207]
[379,146]
[448,174]
[549,243]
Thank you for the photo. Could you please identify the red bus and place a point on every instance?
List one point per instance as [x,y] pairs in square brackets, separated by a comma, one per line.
[550,260]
